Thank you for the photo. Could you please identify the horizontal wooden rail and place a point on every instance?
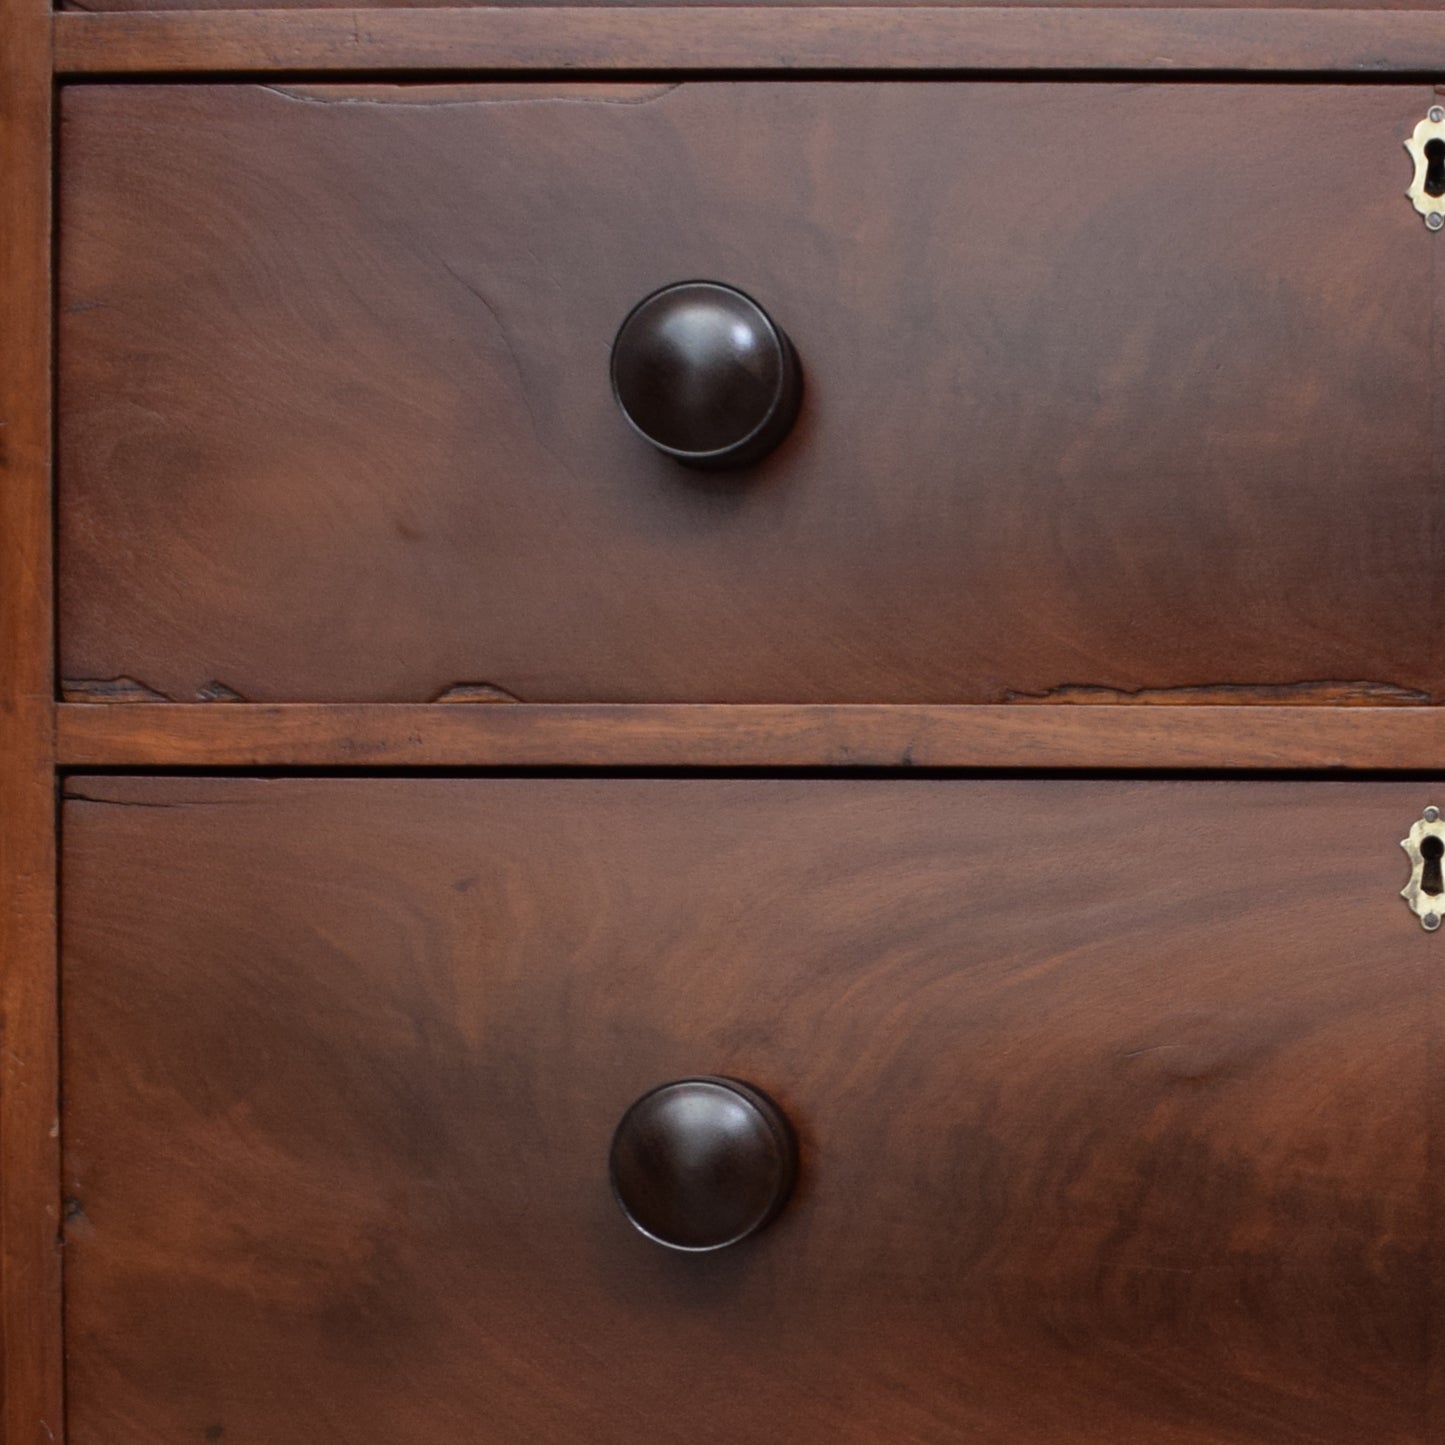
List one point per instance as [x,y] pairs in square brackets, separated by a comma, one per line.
[241,735]
[786,39]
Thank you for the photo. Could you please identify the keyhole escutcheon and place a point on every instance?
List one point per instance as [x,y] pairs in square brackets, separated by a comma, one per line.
[1427,149]
[1424,846]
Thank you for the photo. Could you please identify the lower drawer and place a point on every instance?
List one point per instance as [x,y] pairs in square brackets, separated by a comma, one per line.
[1113,1102]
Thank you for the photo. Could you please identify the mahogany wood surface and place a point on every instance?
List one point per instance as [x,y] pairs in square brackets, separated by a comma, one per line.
[1362,40]
[1115,1102]
[1120,1101]
[1096,397]
[369,735]
[30,1358]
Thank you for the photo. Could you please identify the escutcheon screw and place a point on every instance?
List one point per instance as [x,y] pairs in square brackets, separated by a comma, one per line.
[1437,113]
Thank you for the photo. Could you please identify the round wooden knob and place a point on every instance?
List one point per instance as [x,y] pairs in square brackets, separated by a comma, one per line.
[702,1163]
[705,375]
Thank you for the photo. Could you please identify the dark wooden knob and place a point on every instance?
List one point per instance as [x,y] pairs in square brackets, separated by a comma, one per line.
[705,375]
[702,1163]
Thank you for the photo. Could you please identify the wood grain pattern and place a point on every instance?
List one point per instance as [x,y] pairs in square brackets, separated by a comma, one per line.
[1361,40]
[1114,1097]
[221,735]
[30,1361]
[336,423]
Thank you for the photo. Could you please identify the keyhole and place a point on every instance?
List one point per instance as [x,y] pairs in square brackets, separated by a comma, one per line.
[1435,167]
[1432,848]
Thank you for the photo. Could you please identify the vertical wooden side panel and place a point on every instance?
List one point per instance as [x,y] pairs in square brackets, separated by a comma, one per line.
[29,1178]
[1433,593]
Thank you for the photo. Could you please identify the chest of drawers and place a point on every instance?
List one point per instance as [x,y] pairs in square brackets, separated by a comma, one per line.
[885,926]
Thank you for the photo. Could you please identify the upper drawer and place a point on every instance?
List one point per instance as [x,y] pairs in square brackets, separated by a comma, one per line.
[1106,386]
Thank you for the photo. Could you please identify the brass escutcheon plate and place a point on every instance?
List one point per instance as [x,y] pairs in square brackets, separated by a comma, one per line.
[1431,128]
[1427,907]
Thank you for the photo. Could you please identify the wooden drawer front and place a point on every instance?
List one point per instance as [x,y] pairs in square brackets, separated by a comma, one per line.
[1114,1103]
[1106,387]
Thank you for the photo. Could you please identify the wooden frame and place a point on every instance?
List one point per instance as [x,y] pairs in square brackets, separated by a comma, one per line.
[1371,43]
[37,737]
[760,735]
[29,1106]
